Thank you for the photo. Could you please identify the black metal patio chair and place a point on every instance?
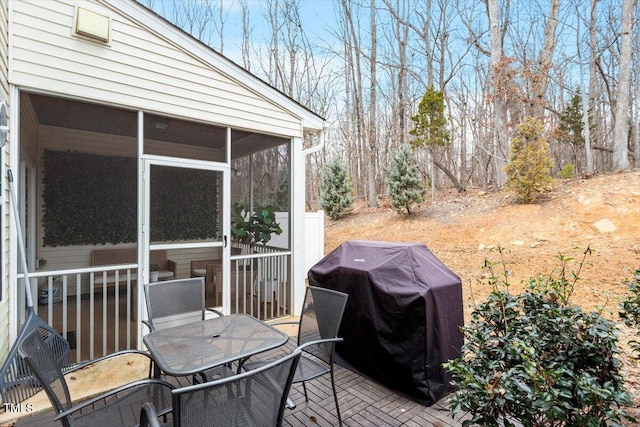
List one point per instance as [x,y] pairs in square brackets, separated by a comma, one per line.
[177,302]
[253,398]
[317,336]
[118,406]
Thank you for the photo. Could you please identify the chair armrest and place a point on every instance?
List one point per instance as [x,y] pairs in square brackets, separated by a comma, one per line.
[149,416]
[149,325]
[109,356]
[81,405]
[283,323]
[173,267]
[318,342]
[213,310]
[211,270]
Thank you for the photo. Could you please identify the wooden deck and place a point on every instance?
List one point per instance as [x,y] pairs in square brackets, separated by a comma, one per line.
[362,403]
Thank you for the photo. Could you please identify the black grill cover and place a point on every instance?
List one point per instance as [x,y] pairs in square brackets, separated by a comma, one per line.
[403,315]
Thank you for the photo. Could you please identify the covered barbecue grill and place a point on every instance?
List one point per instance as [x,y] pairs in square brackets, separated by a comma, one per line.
[403,315]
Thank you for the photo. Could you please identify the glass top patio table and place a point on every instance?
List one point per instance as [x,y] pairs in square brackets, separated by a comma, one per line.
[196,347]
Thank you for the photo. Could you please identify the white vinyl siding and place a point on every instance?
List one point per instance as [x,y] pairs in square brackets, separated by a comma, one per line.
[4,235]
[138,69]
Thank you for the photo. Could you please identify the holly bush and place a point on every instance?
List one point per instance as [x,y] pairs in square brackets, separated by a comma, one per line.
[630,308]
[534,359]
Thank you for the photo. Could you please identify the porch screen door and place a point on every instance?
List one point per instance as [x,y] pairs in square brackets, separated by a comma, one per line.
[185,234]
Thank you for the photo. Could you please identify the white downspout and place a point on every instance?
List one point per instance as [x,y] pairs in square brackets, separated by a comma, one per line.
[316,147]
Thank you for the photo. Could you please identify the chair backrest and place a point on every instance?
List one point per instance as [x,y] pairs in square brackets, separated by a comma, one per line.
[175,302]
[321,316]
[43,365]
[255,397]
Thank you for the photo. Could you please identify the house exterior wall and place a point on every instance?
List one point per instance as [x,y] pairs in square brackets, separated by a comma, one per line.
[4,195]
[137,69]
[148,65]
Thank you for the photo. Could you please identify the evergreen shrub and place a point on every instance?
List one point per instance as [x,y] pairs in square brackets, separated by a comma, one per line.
[335,191]
[536,360]
[630,308]
[568,171]
[404,184]
[529,167]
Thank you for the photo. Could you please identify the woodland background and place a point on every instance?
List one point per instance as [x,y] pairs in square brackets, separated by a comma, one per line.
[574,64]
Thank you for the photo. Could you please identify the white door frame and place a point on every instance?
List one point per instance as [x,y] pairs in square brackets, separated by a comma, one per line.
[144,201]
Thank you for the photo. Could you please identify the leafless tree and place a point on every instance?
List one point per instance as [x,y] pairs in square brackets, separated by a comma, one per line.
[499,68]
[495,61]
[622,110]
[373,83]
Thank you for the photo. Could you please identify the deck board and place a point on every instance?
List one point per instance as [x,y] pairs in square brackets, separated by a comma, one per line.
[363,403]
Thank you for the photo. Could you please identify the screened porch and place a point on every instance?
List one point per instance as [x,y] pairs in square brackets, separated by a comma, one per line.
[108,196]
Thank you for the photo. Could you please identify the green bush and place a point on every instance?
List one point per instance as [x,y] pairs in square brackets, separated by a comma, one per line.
[404,184]
[568,171]
[534,359]
[335,191]
[630,308]
[529,167]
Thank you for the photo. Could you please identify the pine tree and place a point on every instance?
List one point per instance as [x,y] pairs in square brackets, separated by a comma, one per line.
[335,191]
[571,123]
[571,131]
[430,131]
[430,123]
[529,168]
[404,185]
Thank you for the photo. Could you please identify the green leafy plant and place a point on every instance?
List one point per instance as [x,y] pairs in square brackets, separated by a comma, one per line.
[88,199]
[536,360]
[154,267]
[92,199]
[630,308]
[254,228]
[529,168]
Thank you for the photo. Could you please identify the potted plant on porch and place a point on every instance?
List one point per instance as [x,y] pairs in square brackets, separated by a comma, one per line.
[251,229]
[254,228]
[154,271]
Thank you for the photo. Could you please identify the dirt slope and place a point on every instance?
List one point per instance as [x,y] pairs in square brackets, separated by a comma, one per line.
[602,213]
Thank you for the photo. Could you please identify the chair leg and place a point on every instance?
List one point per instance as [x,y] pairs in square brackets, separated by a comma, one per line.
[335,397]
[154,371]
[290,404]
[304,387]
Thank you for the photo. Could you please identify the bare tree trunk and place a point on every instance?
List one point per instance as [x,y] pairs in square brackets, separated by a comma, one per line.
[586,90]
[371,167]
[246,36]
[220,26]
[355,73]
[544,62]
[501,148]
[621,130]
[274,53]
[636,95]
[403,95]
[593,80]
